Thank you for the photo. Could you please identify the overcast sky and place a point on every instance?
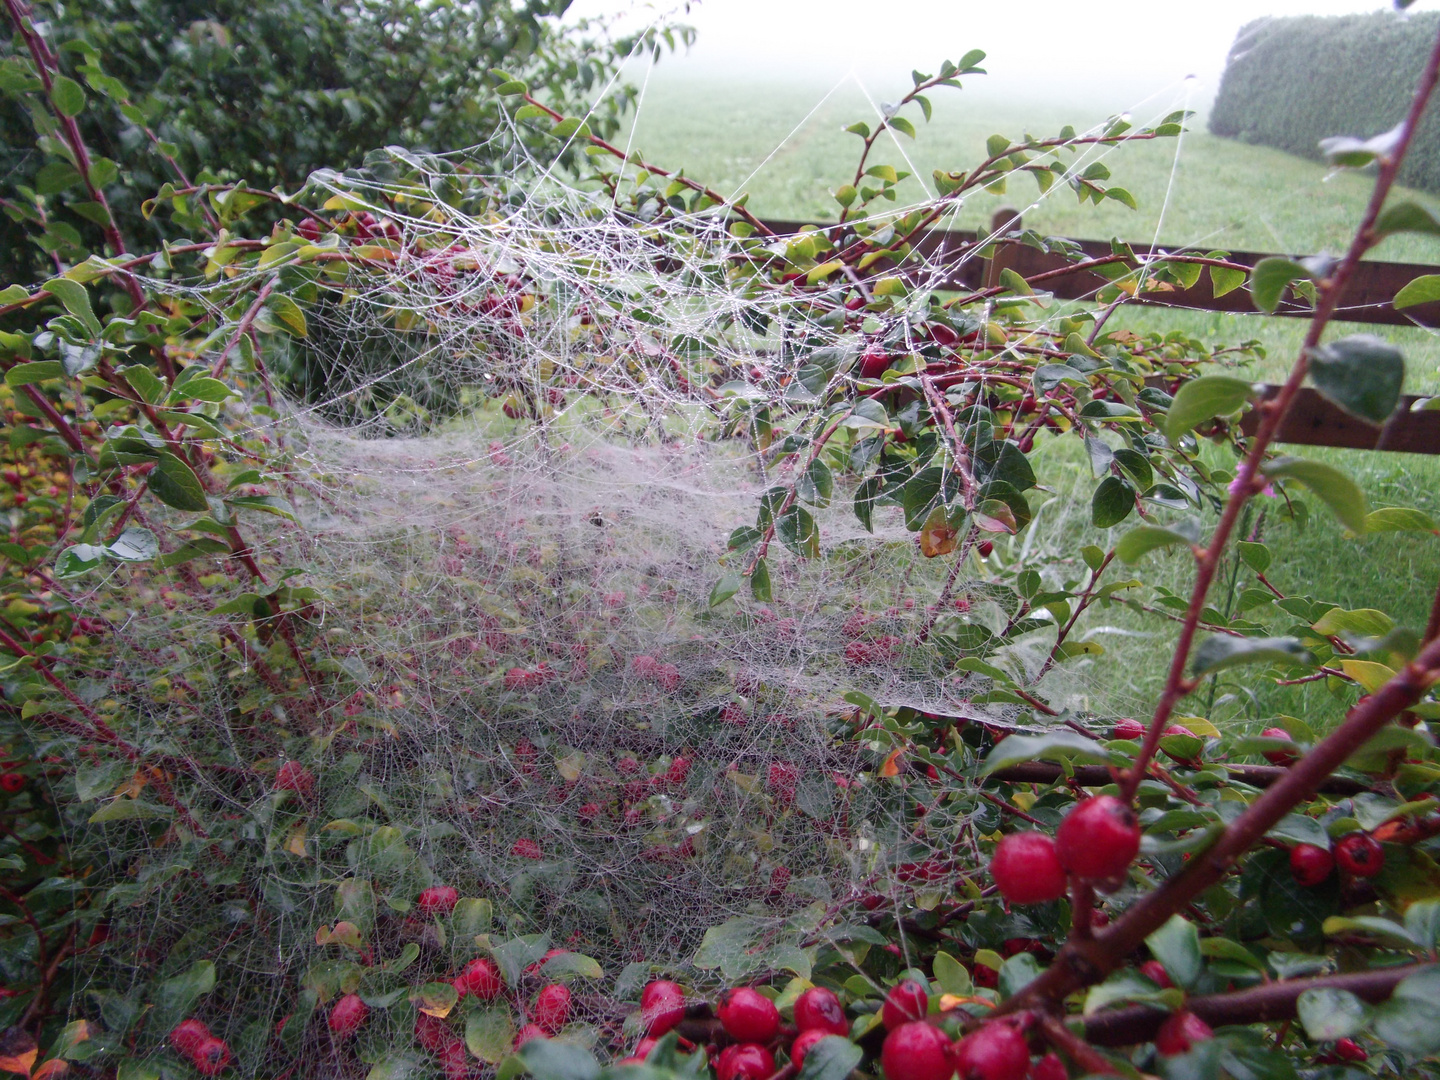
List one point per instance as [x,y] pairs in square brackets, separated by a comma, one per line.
[1042,46]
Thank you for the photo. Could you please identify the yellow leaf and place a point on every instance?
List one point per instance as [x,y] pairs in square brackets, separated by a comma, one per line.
[990,958]
[51,1070]
[1370,675]
[295,842]
[17,1051]
[570,765]
[892,766]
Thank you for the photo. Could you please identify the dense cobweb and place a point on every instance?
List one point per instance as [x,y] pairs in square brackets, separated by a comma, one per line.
[514,454]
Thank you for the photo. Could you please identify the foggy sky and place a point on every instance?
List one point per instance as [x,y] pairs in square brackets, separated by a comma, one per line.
[1035,47]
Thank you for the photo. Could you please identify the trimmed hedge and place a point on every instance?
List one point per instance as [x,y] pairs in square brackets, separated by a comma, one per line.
[1291,82]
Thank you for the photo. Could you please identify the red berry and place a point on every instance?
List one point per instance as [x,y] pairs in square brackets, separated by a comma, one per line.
[482,978]
[906,1001]
[12,782]
[994,1052]
[526,849]
[662,1006]
[211,1057]
[437,900]
[744,1061]
[1279,757]
[1156,973]
[1128,729]
[818,1009]
[295,777]
[552,1008]
[309,229]
[526,1033]
[1099,838]
[591,811]
[985,547]
[804,1041]
[347,1015]
[188,1035]
[917,1051]
[643,1048]
[432,1033]
[1360,855]
[873,362]
[1049,1067]
[454,1061]
[1180,1032]
[1026,868]
[1310,865]
[748,1015]
[1350,1050]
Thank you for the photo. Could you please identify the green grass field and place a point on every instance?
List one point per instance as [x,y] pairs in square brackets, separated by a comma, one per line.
[763,138]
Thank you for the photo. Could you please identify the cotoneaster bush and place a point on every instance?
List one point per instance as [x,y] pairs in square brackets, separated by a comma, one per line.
[300,793]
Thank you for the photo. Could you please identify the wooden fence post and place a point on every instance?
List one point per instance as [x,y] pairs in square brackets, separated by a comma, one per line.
[1005,220]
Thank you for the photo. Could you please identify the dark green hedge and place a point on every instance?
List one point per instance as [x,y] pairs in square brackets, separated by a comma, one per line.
[1291,82]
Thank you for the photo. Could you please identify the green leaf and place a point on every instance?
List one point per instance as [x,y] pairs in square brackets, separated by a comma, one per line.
[1224,280]
[760,582]
[1255,556]
[1223,651]
[288,312]
[1366,622]
[1269,279]
[76,299]
[996,145]
[1055,746]
[1410,1020]
[1399,519]
[175,484]
[1112,502]
[472,916]
[176,996]
[1204,398]
[1146,538]
[1327,1013]
[952,975]
[1345,500]
[145,383]
[1361,373]
[1177,946]
[725,588]
[549,1059]
[798,532]
[68,96]
[832,1058]
[1422,919]
[396,1065]
[133,545]
[1018,972]
[128,810]
[1406,217]
[34,372]
[489,1033]
[1420,290]
[572,963]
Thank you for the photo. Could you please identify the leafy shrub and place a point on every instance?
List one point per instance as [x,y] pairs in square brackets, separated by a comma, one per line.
[1290,82]
[270,92]
[417,757]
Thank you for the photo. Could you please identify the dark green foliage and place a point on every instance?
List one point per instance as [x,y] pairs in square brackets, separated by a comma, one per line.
[1291,82]
[270,92]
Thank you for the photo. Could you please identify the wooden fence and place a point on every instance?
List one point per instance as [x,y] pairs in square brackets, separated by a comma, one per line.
[952,260]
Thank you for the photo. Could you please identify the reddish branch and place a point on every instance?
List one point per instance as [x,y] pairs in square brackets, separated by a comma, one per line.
[1260,776]
[1258,1004]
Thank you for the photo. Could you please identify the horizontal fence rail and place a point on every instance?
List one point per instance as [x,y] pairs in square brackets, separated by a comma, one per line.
[951,259]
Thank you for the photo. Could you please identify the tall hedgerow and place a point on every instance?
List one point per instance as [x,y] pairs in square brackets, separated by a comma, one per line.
[1291,82]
